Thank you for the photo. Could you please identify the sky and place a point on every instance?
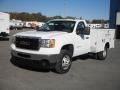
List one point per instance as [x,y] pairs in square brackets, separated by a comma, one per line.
[87,9]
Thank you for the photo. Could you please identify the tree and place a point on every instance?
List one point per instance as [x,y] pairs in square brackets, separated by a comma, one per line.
[24,16]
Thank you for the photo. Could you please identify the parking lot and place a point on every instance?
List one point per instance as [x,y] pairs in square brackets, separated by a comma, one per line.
[85,73]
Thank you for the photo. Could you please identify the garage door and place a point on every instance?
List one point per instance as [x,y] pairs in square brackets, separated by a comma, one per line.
[118,25]
[118,18]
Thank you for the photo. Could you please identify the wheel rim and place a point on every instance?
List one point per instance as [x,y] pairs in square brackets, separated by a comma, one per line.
[66,62]
[104,53]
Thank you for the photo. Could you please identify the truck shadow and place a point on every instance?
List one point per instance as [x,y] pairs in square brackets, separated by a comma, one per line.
[29,65]
[24,65]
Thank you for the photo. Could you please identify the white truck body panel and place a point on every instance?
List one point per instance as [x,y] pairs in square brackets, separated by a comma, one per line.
[56,42]
[95,42]
[99,37]
[4,22]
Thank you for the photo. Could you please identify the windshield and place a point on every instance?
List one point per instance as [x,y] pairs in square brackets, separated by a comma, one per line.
[65,26]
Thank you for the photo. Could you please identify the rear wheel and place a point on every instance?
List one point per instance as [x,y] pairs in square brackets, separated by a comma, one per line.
[103,54]
[64,64]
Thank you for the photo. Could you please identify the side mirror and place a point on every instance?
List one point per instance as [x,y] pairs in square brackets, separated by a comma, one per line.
[85,31]
[78,32]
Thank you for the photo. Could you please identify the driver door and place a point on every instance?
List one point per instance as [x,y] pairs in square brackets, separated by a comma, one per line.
[82,41]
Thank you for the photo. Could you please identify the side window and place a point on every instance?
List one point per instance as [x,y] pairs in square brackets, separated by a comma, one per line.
[81,26]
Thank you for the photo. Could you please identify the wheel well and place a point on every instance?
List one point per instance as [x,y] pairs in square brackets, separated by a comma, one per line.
[69,48]
[107,45]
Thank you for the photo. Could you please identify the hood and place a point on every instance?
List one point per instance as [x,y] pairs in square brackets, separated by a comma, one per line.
[42,34]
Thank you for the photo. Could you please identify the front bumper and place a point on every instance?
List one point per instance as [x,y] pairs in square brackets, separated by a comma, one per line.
[52,59]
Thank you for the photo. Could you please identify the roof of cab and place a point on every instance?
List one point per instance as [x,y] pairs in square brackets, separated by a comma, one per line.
[67,20]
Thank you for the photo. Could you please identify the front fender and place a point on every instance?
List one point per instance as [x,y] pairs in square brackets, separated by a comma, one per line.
[65,40]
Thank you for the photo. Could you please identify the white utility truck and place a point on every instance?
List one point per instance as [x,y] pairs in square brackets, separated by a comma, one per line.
[57,41]
[4,24]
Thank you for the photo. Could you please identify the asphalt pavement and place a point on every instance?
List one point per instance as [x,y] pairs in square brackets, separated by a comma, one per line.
[85,73]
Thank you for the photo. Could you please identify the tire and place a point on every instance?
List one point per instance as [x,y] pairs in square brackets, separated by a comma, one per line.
[103,54]
[64,64]
[13,57]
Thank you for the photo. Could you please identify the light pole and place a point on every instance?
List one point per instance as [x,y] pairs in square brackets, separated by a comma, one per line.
[65,7]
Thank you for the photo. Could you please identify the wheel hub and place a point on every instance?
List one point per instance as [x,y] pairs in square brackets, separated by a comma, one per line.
[66,62]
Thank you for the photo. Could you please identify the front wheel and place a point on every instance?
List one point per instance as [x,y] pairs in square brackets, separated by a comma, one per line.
[103,54]
[64,64]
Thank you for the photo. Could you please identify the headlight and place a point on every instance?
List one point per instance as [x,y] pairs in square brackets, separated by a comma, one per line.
[48,43]
[13,39]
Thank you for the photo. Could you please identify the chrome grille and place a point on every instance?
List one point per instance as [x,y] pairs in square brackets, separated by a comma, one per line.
[31,43]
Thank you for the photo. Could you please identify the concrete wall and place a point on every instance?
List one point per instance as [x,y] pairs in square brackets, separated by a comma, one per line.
[114,8]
